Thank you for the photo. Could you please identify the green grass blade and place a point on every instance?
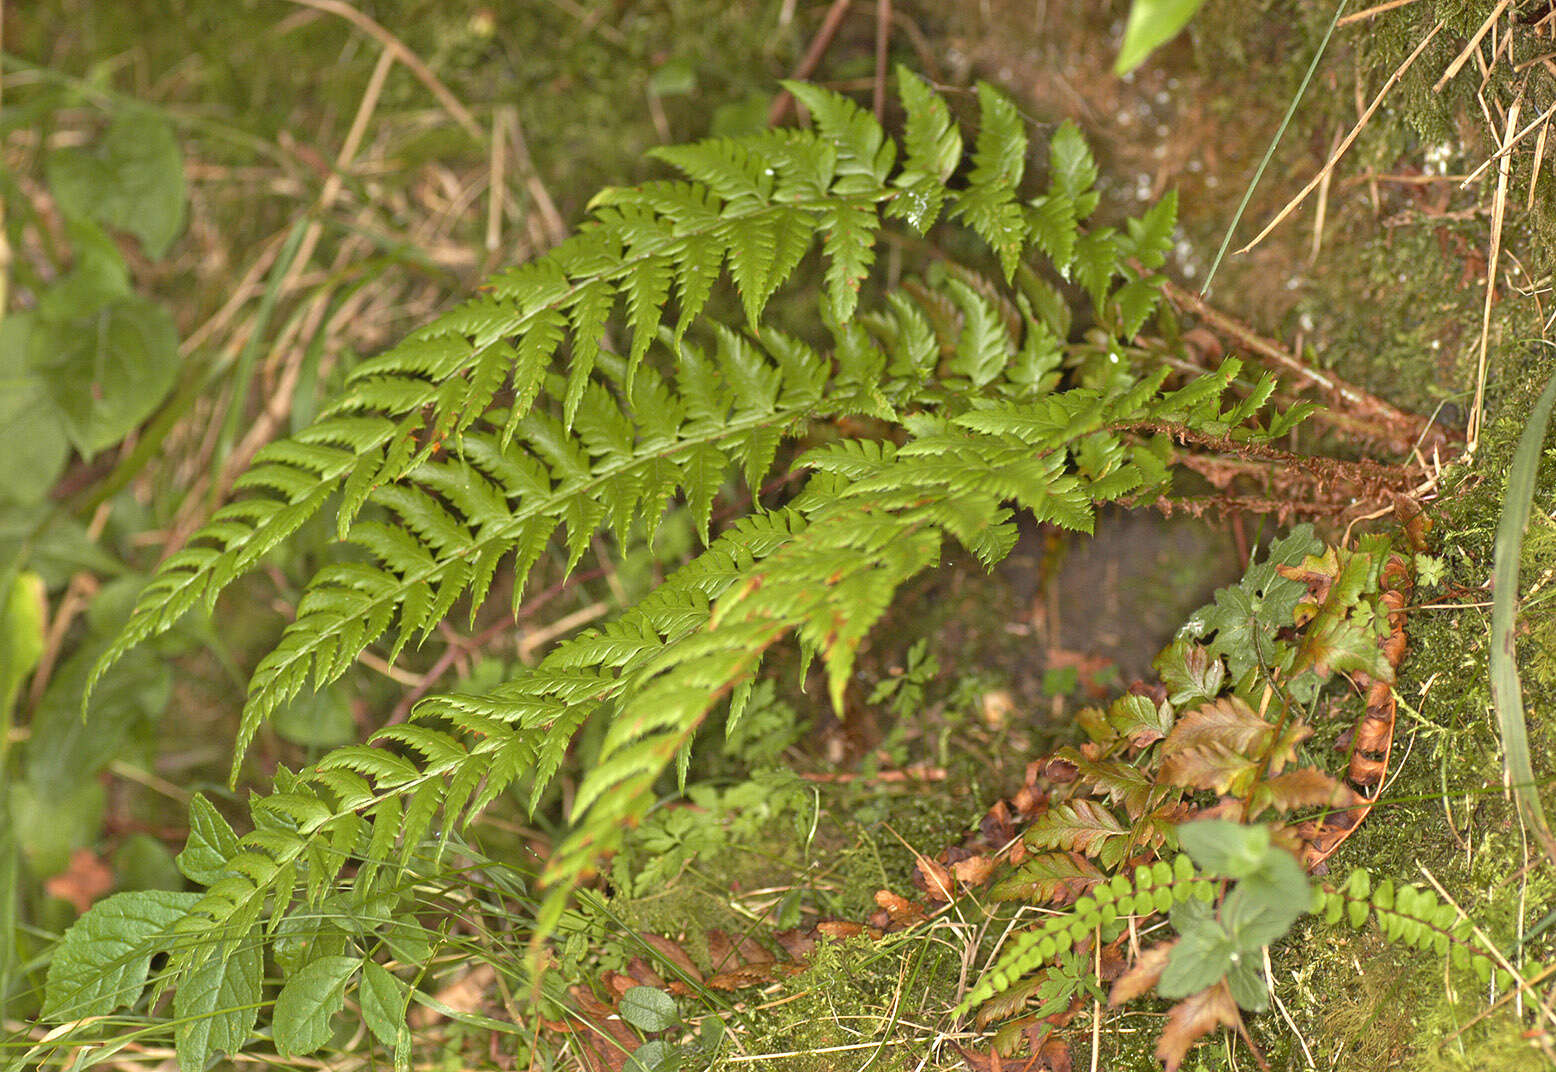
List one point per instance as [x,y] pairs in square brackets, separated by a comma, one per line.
[1506,693]
[1280,132]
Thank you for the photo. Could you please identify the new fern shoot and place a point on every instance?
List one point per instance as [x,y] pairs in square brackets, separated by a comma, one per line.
[515,423]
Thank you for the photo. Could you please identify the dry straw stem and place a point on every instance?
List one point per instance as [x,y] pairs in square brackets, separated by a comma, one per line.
[413,63]
[279,401]
[1375,10]
[1470,49]
[1493,259]
[1334,158]
[1509,144]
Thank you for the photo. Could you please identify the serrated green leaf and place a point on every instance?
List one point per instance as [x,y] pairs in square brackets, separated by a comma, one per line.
[218,1003]
[309,1001]
[383,998]
[101,963]
[211,843]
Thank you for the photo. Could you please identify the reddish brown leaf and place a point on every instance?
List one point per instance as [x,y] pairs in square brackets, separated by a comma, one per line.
[1192,1019]
[795,942]
[1050,877]
[933,878]
[1307,787]
[901,911]
[644,975]
[751,975]
[674,954]
[81,883]
[974,870]
[1213,766]
[1227,722]
[1142,975]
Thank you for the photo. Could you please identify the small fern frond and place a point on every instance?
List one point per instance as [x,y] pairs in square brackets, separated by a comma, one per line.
[988,204]
[932,148]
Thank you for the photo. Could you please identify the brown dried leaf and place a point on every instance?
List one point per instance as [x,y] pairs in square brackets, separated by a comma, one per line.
[838,929]
[974,870]
[1307,787]
[795,942]
[752,975]
[1227,722]
[1212,766]
[933,878]
[901,911]
[81,883]
[674,954]
[1142,975]
[1192,1019]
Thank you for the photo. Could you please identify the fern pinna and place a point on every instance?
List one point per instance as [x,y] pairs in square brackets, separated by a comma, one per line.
[481,439]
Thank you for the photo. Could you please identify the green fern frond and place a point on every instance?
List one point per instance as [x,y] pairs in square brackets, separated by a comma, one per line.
[988,204]
[483,440]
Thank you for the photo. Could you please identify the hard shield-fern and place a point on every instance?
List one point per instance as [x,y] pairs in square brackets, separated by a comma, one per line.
[478,441]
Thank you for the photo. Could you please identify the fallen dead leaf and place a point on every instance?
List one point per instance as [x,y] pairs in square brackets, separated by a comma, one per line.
[81,883]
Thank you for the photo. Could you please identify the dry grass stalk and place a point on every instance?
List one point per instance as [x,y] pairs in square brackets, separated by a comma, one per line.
[1498,213]
[1372,12]
[1472,48]
[413,63]
[1334,158]
[1508,145]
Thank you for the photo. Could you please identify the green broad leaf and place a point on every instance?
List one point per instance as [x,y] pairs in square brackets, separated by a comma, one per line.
[37,445]
[1198,960]
[66,750]
[132,181]
[101,963]
[308,1002]
[1150,236]
[49,825]
[1222,847]
[383,998]
[648,1008]
[1152,23]
[655,1056]
[1253,919]
[218,1003]
[211,843]
[107,368]
[1072,170]
[1245,617]
[144,863]
[1096,262]
[318,719]
[1247,984]
[932,140]
[23,611]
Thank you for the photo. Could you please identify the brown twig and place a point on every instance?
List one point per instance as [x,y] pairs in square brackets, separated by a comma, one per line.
[1371,12]
[818,48]
[1493,258]
[882,45]
[1404,427]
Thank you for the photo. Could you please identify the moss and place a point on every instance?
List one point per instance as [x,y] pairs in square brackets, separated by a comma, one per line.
[860,1004]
